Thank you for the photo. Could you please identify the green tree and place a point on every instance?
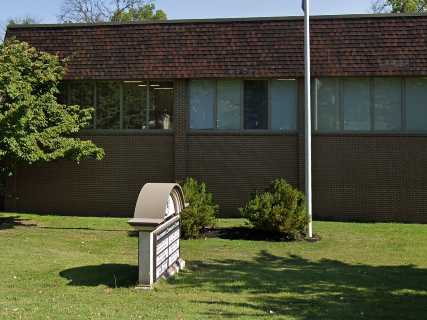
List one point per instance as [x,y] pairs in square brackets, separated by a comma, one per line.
[146,12]
[93,11]
[34,126]
[399,6]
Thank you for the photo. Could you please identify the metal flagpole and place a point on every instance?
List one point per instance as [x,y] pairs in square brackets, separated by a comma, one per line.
[306,8]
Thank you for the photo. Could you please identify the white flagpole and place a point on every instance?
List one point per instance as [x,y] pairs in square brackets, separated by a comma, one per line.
[308,115]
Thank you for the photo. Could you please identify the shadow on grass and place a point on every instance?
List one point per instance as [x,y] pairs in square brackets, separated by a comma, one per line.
[243,233]
[83,229]
[110,275]
[305,289]
[133,233]
[15,221]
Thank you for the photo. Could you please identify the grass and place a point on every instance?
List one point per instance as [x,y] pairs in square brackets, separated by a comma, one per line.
[86,268]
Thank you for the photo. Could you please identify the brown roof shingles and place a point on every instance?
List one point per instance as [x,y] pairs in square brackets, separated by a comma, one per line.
[341,46]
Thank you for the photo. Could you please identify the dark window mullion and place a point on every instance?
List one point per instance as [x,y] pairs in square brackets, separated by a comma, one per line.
[242,105]
[147,107]
[67,92]
[372,103]
[215,106]
[143,97]
[340,94]
[269,125]
[95,102]
[121,106]
[403,104]
[315,118]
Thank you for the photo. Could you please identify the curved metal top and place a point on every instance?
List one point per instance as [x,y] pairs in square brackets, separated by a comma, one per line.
[151,206]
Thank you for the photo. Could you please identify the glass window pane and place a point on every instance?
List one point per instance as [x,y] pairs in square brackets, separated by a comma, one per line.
[256,104]
[283,105]
[328,110]
[162,101]
[202,99]
[416,104]
[356,104]
[228,104]
[62,95]
[108,105]
[82,94]
[388,104]
[134,104]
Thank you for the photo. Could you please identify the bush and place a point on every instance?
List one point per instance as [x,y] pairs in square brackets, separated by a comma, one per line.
[201,212]
[280,211]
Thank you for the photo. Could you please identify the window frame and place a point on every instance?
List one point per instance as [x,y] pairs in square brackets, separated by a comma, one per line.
[121,130]
[241,130]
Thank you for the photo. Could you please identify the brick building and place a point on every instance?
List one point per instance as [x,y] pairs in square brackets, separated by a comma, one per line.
[222,101]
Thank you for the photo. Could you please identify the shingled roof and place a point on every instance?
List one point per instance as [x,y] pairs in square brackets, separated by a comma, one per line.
[262,47]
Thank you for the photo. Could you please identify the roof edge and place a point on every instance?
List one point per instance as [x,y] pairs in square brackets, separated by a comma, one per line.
[217,20]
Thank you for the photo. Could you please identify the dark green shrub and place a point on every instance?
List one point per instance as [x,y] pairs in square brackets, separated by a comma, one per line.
[201,212]
[279,211]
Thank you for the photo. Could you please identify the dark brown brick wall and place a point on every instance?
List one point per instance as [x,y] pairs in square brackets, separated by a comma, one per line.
[107,187]
[355,177]
[233,166]
[372,178]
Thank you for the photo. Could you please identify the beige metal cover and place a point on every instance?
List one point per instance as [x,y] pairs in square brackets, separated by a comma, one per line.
[152,203]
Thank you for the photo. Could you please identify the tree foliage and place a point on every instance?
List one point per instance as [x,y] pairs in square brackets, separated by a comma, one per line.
[22,20]
[201,212]
[93,11]
[279,210]
[399,6]
[146,12]
[34,126]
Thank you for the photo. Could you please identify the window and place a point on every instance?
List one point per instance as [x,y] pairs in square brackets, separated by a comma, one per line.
[356,104]
[80,93]
[125,105]
[256,104]
[160,110]
[202,101]
[370,104]
[134,104]
[108,105]
[283,105]
[243,104]
[229,104]
[388,104]
[327,106]
[62,93]
[416,104]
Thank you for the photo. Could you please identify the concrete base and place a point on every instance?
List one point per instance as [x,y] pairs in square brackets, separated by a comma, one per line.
[172,270]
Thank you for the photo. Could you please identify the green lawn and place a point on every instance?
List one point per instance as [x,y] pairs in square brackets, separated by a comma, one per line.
[86,268]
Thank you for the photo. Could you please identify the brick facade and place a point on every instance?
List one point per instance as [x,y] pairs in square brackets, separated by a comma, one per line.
[366,177]
[109,187]
[355,176]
